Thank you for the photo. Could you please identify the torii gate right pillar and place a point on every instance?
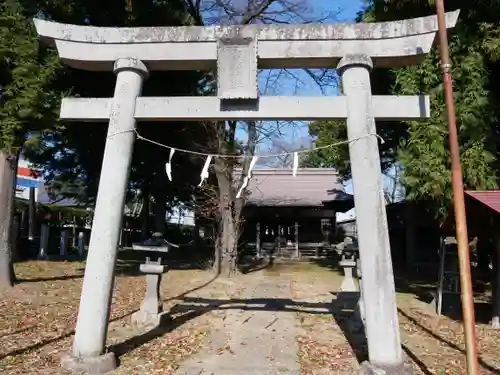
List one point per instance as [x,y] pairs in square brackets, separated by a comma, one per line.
[381,323]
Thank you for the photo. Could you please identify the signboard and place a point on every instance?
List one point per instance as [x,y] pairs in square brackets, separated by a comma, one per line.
[27,178]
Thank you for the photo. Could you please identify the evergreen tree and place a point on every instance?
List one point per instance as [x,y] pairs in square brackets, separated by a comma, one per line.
[421,147]
[27,105]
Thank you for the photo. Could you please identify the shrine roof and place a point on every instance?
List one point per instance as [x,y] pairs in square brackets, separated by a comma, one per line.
[278,187]
[490,198]
[45,198]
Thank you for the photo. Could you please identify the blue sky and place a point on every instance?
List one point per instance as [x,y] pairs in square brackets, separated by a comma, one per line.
[301,84]
[348,8]
[295,135]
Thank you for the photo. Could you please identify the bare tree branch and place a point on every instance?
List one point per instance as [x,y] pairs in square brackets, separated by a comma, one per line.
[219,195]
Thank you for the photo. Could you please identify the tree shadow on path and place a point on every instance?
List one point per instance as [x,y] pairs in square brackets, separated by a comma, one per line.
[48,341]
[166,325]
[193,307]
[445,341]
[20,280]
[348,318]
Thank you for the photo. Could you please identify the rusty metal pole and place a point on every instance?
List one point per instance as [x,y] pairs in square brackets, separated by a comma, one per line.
[458,200]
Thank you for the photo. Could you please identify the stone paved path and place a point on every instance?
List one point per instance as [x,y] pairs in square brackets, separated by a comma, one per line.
[252,336]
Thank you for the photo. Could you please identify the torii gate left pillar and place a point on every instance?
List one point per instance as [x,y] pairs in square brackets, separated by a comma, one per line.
[237,51]
[92,323]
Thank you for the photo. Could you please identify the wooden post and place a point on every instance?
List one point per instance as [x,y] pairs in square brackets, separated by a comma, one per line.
[15,236]
[75,242]
[495,320]
[316,251]
[278,237]
[297,250]
[257,240]
[63,243]
[439,294]
[31,217]
[44,241]
[23,219]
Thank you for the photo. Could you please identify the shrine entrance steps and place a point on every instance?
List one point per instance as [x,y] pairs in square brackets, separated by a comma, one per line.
[306,252]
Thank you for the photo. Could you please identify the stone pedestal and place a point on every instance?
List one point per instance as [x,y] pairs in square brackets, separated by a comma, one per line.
[152,305]
[348,284]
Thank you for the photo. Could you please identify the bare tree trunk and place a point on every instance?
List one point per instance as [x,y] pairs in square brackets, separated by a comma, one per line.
[8,171]
[226,233]
[217,251]
[226,251]
[229,250]
[230,207]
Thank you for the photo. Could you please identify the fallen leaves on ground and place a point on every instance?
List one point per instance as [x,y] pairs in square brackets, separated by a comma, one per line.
[431,345]
[323,348]
[437,343]
[39,314]
[38,317]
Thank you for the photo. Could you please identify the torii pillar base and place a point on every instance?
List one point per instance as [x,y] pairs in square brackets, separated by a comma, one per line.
[368,368]
[90,365]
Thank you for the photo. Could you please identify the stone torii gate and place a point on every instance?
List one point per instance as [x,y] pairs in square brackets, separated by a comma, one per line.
[237,52]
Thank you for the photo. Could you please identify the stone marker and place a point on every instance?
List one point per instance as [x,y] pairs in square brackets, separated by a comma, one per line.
[44,241]
[237,52]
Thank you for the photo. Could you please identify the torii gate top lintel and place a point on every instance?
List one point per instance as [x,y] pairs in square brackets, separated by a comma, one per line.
[389,44]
